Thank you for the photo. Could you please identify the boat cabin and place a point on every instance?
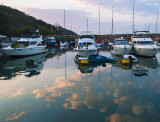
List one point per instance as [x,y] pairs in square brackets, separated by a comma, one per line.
[23,44]
[143,41]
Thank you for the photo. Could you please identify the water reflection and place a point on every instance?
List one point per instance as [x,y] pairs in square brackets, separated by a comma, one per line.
[17,66]
[109,93]
[51,52]
[108,101]
[148,62]
[88,68]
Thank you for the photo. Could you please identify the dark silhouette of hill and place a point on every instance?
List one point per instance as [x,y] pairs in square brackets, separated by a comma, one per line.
[14,22]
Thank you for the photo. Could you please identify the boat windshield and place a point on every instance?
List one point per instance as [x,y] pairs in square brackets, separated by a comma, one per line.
[32,43]
[145,42]
[121,42]
[19,42]
[86,36]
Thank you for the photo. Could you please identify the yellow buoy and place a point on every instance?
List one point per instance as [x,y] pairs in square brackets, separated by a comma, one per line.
[84,61]
[125,61]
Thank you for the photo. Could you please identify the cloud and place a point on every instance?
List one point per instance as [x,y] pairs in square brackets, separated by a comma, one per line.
[18,92]
[15,116]
[146,7]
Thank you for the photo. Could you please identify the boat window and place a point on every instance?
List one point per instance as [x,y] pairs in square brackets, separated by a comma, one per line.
[36,36]
[125,42]
[32,43]
[118,42]
[145,42]
[39,44]
[18,42]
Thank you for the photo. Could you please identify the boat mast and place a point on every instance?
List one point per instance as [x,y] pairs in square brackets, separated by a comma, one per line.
[133,21]
[149,27]
[99,20]
[157,24]
[112,21]
[64,18]
[87,25]
[65,39]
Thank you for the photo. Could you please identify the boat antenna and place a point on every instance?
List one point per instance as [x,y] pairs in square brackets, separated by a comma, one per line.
[99,20]
[133,21]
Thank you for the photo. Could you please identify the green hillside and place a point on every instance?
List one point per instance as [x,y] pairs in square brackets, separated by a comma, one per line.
[14,22]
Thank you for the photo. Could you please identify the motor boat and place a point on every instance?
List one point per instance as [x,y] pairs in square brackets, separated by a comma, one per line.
[144,46]
[27,45]
[86,45]
[50,41]
[120,47]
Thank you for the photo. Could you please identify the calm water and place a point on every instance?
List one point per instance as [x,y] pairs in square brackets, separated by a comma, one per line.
[56,89]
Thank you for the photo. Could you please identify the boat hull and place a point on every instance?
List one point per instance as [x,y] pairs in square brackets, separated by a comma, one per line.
[121,50]
[97,58]
[24,51]
[83,52]
[145,51]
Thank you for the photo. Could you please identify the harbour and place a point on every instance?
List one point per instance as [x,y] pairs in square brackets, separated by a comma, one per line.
[56,88]
[52,70]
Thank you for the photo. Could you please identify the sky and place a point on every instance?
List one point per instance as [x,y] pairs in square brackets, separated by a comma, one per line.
[77,12]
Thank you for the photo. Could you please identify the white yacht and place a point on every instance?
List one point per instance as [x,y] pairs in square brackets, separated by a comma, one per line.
[86,45]
[120,47]
[143,45]
[28,45]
